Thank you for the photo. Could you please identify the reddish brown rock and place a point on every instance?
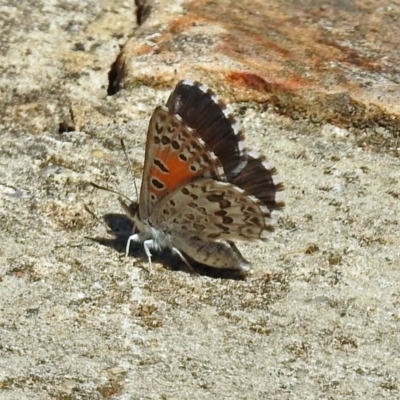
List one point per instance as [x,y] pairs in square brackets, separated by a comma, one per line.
[334,63]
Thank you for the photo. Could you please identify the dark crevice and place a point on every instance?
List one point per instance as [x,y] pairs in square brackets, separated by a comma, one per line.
[115,75]
[143,10]
[117,69]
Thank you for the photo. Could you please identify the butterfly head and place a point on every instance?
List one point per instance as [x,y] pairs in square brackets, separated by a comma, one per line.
[131,210]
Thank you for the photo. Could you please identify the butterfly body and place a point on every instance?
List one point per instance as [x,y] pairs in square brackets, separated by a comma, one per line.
[201,189]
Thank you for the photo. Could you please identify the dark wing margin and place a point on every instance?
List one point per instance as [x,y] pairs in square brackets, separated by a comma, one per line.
[261,180]
[201,110]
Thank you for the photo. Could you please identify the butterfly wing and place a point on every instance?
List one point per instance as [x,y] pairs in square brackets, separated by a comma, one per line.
[261,180]
[201,110]
[174,156]
[214,211]
[216,254]
[200,187]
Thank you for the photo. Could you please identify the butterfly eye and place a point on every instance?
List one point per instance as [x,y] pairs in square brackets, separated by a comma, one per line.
[132,209]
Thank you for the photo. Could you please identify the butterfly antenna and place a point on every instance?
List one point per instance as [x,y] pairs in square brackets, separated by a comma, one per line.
[107,189]
[86,207]
[130,166]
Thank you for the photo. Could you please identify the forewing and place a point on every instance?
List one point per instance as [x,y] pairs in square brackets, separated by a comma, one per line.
[203,111]
[175,155]
[213,211]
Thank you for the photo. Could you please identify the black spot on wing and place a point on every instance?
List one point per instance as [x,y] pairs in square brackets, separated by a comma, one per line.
[157,184]
[161,166]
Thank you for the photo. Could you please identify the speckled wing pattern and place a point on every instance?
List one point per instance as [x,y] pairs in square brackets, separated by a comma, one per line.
[201,188]
[174,156]
[214,210]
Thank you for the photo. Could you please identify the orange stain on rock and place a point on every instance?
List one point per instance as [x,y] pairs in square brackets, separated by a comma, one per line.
[249,81]
[252,81]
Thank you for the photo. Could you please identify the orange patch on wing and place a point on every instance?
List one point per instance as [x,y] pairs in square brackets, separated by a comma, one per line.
[178,174]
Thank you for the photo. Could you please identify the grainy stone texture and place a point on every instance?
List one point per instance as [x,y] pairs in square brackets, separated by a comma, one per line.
[318,317]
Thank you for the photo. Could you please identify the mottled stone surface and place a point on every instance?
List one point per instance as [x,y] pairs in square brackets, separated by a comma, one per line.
[317,318]
[334,62]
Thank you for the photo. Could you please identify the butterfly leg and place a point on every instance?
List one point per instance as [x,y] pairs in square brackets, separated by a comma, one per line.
[133,238]
[183,258]
[147,244]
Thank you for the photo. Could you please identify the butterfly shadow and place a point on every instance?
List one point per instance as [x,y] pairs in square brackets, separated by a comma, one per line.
[120,226]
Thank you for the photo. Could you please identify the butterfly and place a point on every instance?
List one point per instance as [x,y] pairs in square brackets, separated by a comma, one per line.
[201,188]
